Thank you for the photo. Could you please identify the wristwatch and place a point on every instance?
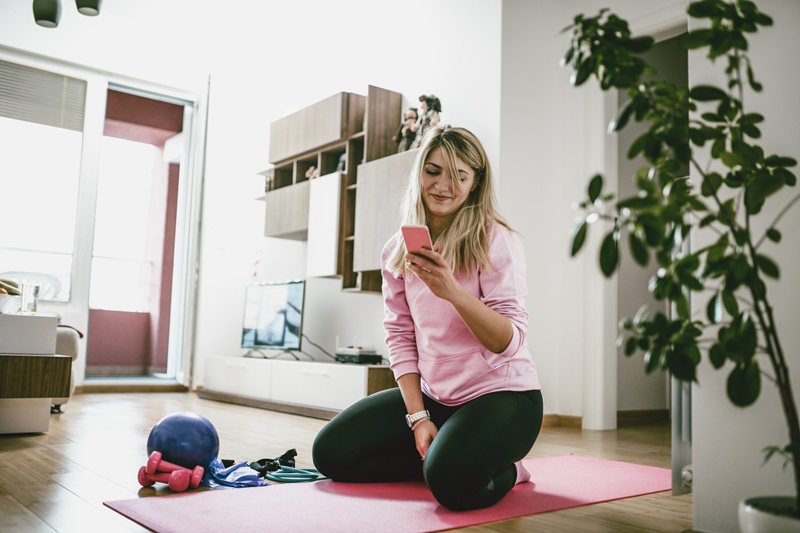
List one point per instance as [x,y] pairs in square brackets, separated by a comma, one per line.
[410,419]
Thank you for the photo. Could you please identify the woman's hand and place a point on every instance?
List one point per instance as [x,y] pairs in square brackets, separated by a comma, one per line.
[424,434]
[433,270]
[490,328]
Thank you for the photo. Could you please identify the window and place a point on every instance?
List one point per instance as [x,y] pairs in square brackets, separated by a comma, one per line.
[41,125]
[38,198]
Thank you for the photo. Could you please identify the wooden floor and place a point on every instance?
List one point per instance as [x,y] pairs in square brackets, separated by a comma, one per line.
[57,481]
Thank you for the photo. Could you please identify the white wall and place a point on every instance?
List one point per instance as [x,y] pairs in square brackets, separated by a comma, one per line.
[284,56]
[727,441]
[548,151]
[265,60]
[552,142]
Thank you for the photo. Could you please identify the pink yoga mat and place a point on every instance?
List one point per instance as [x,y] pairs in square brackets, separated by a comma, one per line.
[327,506]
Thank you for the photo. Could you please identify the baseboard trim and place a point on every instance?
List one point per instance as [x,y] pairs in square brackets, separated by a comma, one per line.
[624,418]
[642,416]
[281,407]
[561,421]
[102,385]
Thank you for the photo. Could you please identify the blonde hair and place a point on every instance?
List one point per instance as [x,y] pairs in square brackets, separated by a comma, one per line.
[463,243]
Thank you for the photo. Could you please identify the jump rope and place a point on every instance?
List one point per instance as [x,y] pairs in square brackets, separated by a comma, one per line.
[283,470]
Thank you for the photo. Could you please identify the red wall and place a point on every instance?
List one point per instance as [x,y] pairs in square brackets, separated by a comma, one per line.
[118,342]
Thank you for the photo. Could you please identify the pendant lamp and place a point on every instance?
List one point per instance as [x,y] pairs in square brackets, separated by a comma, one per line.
[89,7]
[47,12]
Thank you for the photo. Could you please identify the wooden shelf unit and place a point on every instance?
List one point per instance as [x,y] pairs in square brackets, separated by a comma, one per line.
[344,127]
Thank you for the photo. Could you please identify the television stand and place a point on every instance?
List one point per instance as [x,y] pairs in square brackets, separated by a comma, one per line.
[317,389]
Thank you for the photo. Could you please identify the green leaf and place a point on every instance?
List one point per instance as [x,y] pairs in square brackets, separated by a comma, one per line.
[717,250]
[652,359]
[681,364]
[578,237]
[707,93]
[630,345]
[717,147]
[609,254]
[637,203]
[774,235]
[568,56]
[638,44]
[698,136]
[780,161]
[763,186]
[638,250]
[730,303]
[711,184]
[681,305]
[708,219]
[622,118]
[751,131]
[714,309]
[730,159]
[595,187]
[763,19]
[768,266]
[751,79]
[751,118]
[717,356]
[786,176]
[697,38]
[584,70]
[744,384]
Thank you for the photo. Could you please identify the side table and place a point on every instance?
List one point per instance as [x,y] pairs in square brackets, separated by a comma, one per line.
[27,385]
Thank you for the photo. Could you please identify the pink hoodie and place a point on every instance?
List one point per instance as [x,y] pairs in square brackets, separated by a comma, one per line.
[426,336]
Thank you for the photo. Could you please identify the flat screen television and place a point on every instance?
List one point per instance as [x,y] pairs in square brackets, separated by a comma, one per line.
[273,316]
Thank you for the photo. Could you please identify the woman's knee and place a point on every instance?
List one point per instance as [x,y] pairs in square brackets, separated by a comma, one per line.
[449,482]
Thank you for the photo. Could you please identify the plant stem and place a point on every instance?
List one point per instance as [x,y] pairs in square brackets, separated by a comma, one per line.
[778,218]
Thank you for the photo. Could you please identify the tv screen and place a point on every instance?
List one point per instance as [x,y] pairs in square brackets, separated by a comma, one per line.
[273,316]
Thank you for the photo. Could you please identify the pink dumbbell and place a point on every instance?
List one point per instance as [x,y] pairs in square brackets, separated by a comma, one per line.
[156,464]
[178,480]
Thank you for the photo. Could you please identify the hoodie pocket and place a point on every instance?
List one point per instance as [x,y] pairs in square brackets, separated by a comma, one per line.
[456,376]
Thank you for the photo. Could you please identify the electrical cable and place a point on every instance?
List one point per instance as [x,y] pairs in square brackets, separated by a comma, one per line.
[323,350]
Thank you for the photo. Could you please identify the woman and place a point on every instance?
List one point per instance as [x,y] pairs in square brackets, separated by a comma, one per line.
[468,407]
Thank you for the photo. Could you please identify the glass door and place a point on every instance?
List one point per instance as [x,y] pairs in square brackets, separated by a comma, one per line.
[59,225]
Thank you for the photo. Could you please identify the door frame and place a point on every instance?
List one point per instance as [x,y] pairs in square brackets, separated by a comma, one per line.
[183,307]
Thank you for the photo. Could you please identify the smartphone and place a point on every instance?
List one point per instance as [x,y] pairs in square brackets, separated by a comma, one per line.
[416,238]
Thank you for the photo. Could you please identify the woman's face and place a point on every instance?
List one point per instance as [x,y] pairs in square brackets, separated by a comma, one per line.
[443,197]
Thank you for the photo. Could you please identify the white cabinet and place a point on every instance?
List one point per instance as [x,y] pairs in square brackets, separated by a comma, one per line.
[324,201]
[310,388]
[286,213]
[244,376]
[326,385]
[380,184]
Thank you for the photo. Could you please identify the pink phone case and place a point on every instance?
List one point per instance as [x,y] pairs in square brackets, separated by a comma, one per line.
[416,237]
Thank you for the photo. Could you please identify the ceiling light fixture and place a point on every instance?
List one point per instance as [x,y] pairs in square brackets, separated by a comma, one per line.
[90,8]
[47,12]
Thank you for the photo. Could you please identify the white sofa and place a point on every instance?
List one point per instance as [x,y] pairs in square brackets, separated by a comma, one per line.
[67,343]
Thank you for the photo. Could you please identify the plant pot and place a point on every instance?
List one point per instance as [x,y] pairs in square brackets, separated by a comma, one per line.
[763,514]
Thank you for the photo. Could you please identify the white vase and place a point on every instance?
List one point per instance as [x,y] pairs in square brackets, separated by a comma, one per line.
[767,514]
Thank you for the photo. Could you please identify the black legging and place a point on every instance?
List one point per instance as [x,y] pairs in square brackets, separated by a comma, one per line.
[470,463]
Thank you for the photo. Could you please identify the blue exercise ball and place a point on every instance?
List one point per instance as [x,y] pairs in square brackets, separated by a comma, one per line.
[185,439]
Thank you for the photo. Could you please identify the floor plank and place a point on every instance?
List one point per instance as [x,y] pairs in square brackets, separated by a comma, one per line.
[57,481]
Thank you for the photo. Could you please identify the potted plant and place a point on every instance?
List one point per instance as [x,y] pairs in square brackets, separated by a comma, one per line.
[709,130]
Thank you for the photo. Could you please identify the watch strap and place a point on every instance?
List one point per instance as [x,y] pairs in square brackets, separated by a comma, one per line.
[419,415]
